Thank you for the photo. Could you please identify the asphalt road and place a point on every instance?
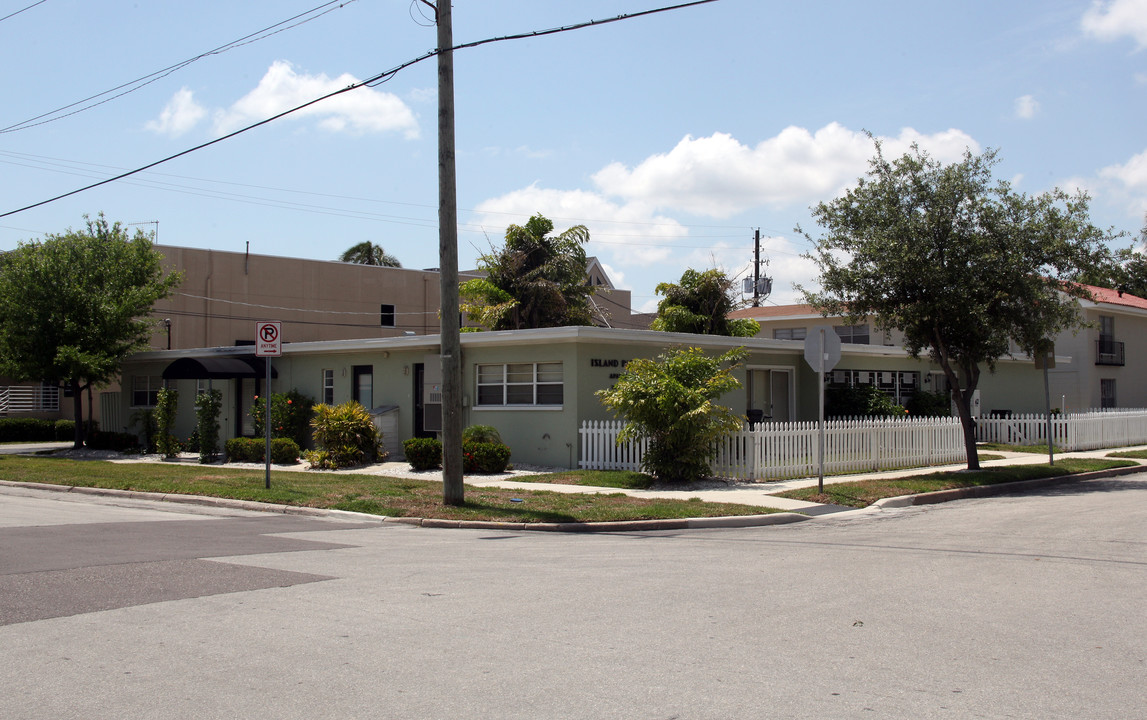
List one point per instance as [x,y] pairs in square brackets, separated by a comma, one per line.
[1008,607]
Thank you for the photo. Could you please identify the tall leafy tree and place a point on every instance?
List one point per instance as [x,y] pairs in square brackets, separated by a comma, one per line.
[367,253]
[74,306]
[962,265]
[700,303]
[535,280]
[1126,272]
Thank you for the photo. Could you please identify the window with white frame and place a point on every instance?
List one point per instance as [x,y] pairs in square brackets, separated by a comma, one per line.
[520,384]
[386,315]
[789,333]
[855,334]
[145,390]
[328,387]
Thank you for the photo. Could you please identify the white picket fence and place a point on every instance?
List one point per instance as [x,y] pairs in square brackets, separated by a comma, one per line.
[1078,431]
[785,450]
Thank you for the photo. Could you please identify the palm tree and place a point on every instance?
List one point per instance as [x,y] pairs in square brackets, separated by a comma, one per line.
[367,253]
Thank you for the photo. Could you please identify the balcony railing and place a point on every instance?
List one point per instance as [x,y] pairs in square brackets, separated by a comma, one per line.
[1108,352]
[16,399]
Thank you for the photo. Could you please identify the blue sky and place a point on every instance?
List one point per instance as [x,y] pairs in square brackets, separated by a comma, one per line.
[672,137]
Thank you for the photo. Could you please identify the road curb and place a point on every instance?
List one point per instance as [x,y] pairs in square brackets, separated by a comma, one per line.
[734,521]
[979,491]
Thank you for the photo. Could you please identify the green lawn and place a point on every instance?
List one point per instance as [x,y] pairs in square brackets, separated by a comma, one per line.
[393,497]
[593,478]
[865,492]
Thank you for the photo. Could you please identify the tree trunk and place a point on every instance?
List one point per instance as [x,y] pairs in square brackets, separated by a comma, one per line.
[78,413]
[969,425]
[962,395]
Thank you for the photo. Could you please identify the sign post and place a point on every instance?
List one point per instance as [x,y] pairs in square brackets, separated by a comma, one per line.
[822,353]
[268,344]
[1045,359]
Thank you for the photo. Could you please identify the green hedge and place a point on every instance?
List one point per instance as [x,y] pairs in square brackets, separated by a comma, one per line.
[65,430]
[484,457]
[27,430]
[284,451]
[477,457]
[423,453]
[117,441]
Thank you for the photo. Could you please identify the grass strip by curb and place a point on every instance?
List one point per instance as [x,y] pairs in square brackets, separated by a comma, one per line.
[370,494]
[862,493]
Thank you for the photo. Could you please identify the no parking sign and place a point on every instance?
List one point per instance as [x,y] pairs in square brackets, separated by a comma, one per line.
[268,338]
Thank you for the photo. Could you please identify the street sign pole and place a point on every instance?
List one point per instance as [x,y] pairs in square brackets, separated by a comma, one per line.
[820,417]
[822,353]
[1045,358]
[267,427]
[268,344]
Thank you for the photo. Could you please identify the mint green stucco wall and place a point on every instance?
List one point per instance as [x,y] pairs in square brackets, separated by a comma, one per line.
[549,435]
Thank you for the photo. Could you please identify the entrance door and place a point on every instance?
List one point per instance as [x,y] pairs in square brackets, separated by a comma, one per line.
[770,393]
[363,388]
[420,402]
[779,384]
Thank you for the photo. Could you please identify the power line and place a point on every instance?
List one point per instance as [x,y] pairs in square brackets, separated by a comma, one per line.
[132,86]
[214,316]
[369,82]
[291,309]
[41,2]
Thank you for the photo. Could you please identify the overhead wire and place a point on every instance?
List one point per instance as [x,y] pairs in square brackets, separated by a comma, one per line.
[10,15]
[141,82]
[369,82]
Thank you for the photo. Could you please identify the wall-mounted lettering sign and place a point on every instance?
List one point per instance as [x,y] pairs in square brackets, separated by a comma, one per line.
[603,363]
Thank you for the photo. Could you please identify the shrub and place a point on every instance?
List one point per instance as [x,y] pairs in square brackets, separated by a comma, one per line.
[26,430]
[291,416]
[65,429]
[423,453]
[207,407]
[166,405]
[672,401]
[484,457]
[345,435]
[284,451]
[482,433]
[859,401]
[116,441]
[242,449]
[145,419]
[929,404]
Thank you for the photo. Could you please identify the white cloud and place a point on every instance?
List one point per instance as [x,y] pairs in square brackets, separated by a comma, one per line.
[359,111]
[629,233]
[718,176]
[617,277]
[1026,107]
[1114,19]
[423,95]
[1128,182]
[630,211]
[179,115]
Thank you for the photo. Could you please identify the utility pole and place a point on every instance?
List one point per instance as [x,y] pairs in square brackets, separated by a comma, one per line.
[762,286]
[453,492]
[757,268]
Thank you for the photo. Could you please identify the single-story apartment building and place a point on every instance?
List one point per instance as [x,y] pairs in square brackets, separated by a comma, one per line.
[535,386]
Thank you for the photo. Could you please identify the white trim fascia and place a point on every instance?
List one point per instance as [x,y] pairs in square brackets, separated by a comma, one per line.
[550,336]
[1113,308]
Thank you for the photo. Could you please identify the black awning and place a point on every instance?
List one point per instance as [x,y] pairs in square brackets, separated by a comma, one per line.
[217,368]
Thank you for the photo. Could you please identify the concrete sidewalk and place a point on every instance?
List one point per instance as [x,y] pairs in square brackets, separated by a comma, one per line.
[742,493]
[762,494]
